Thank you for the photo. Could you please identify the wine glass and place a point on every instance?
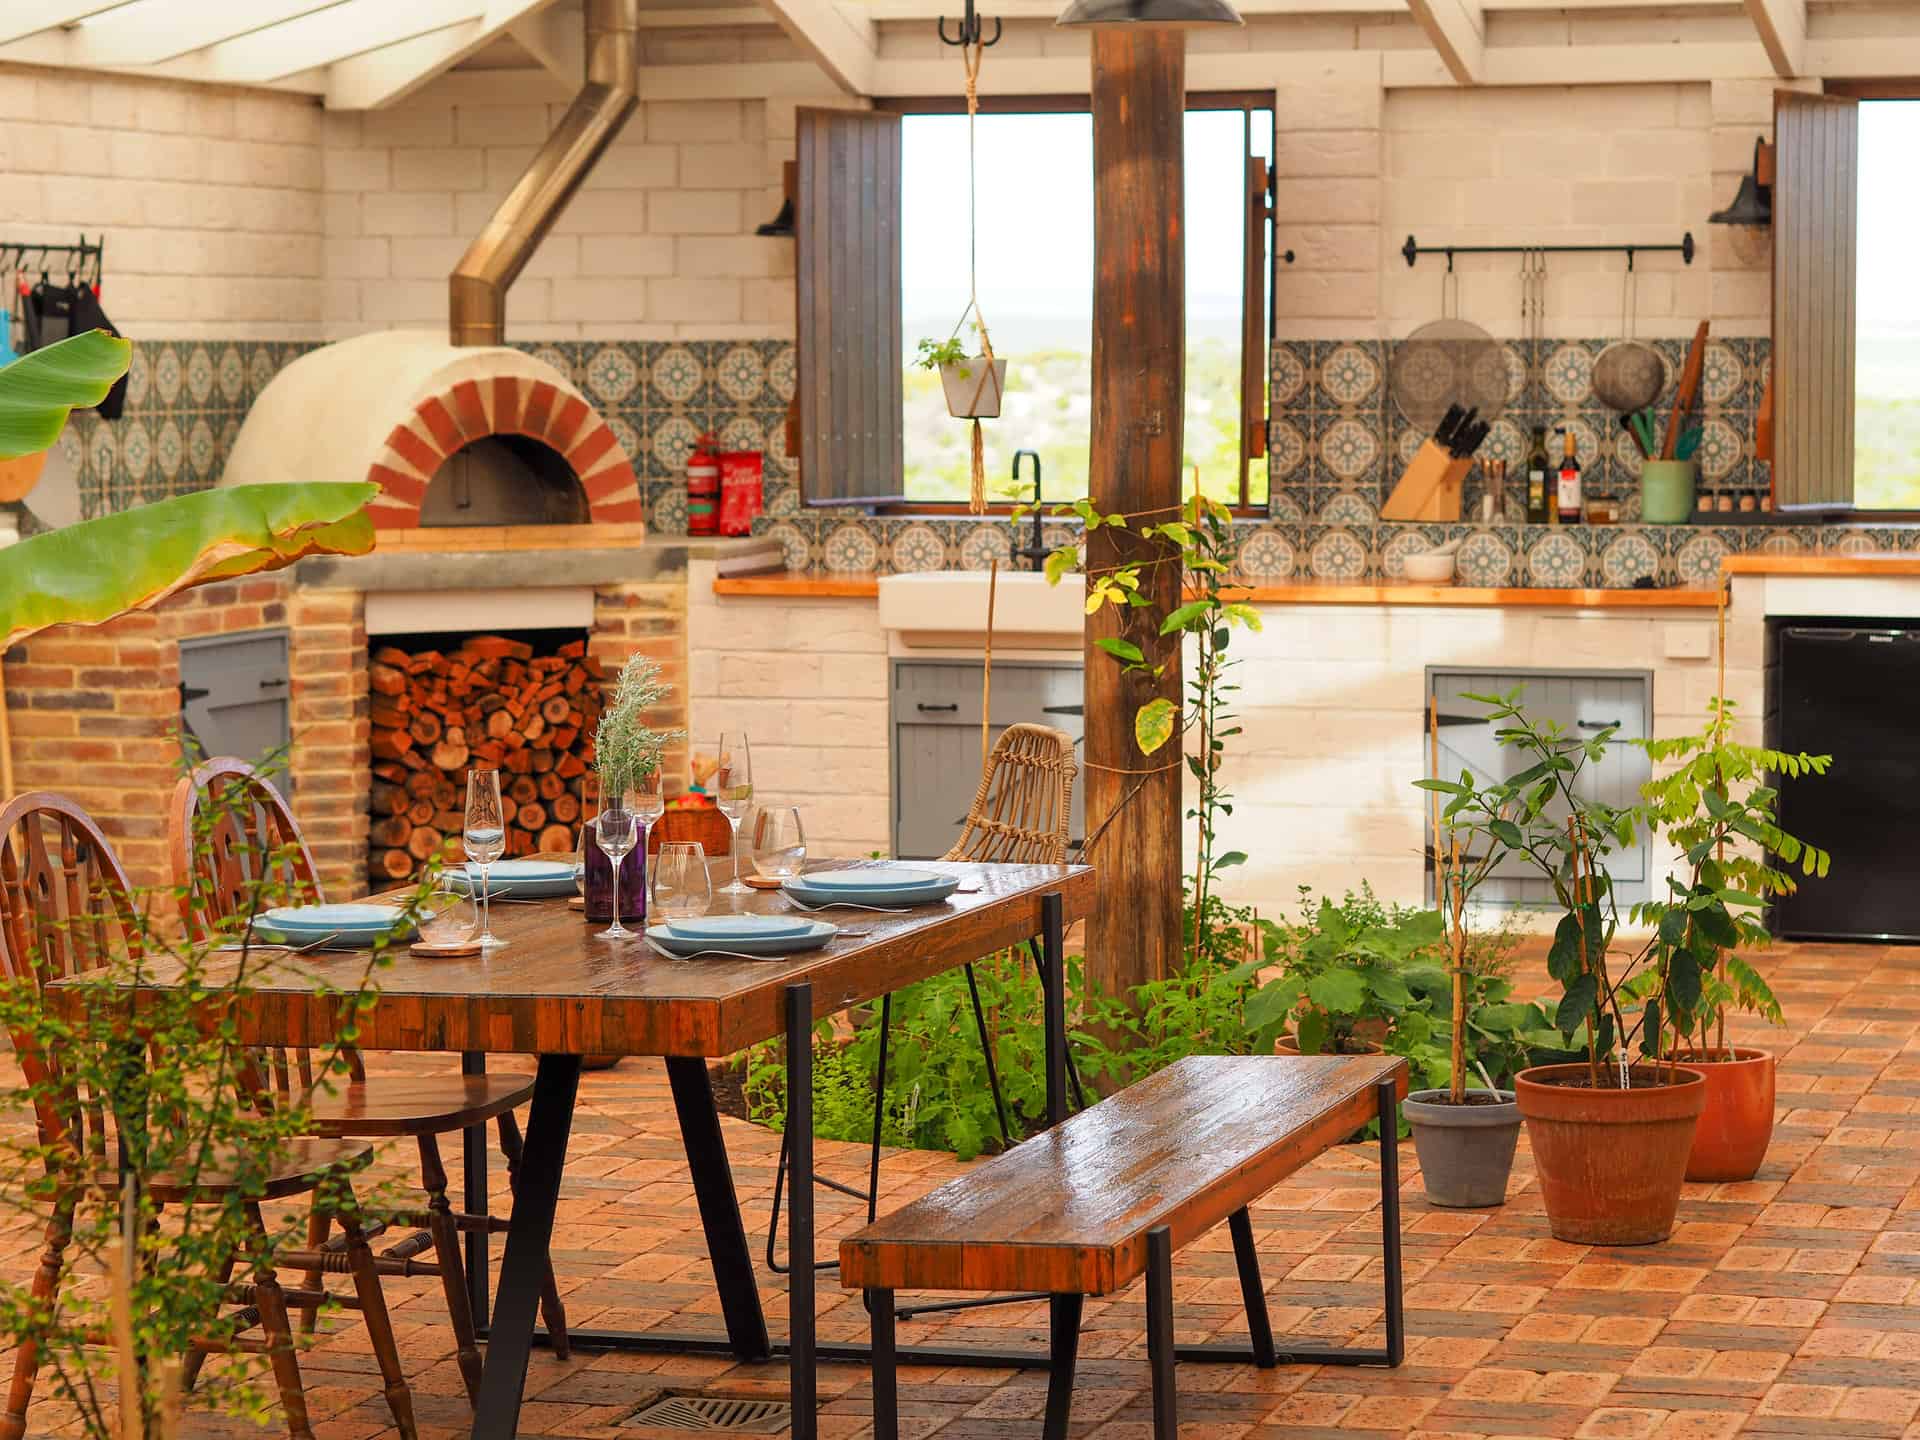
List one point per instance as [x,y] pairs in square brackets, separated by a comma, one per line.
[649,804]
[616,828]
[682,888]
[779,844]
[486,842]
[732,791]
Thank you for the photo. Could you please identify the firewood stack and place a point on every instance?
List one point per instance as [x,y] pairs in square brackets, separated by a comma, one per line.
[491,704]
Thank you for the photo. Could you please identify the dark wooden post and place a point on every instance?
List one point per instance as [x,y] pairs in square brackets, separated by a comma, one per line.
[1139,387]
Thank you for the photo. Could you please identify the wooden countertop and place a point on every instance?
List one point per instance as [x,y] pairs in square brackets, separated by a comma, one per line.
[853,586]
[1891,562]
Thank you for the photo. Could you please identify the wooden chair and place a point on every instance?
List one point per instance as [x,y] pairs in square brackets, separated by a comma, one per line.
[226,825]
[66,908]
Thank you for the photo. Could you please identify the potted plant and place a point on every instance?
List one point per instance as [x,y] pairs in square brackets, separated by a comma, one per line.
[1610,1138]
[626,750]
[1340,982]
[973,383]
[1465,1138]
[1718,806]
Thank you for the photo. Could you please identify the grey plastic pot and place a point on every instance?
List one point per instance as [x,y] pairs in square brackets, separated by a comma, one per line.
[1466,1151]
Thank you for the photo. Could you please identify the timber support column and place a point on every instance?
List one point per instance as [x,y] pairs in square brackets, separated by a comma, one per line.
[1139,385]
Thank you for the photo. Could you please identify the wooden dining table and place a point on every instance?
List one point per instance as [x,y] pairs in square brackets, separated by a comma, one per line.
[559,991]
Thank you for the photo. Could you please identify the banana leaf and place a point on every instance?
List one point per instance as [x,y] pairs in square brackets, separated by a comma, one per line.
[88,573]
[39,391]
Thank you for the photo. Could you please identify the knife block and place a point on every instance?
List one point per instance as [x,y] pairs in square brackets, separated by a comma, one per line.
[1430,488]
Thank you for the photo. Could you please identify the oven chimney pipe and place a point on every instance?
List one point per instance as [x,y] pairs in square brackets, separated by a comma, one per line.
[477,289]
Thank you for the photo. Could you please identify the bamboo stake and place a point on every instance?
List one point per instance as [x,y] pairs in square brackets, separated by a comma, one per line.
[1459,1056]
[1586,964]
[1720,725]
[986,685]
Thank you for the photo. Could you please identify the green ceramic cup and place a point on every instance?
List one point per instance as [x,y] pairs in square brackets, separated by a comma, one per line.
[1666,492]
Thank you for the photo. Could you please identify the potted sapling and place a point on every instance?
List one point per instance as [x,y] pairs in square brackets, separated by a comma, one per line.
[627,751]
[1341,986]
[973,383]
[1610,1137]
[1465,1138]
[1718,806]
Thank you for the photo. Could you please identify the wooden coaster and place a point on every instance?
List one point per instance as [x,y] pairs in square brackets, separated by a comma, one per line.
[762,882]
[424,951]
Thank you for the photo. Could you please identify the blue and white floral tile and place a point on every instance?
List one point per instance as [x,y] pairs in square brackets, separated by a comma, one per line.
[985,542]
[1287,368]
[1339,554]
[1485,558]
[675,378]
[1626,558]
[1348,449]
[1697,561]
[1556,560]
[916,548]
[1349,375]
[1346,507]
[797,548]
[1265,554]
[1284,504]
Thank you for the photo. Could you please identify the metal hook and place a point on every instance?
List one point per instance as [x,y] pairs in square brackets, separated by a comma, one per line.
[972,30]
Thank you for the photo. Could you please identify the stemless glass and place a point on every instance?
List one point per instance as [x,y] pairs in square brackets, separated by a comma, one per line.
[732,791]
[682,887]
[615,828]
[779,844]
[486,842]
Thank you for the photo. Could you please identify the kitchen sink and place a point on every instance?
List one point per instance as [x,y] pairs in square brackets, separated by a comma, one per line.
[949,608]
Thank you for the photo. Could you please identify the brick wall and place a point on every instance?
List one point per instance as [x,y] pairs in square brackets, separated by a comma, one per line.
[649,620]
[330,730]
[208,197]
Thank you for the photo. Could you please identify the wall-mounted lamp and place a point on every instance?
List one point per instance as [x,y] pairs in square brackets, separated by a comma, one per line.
[1753,205]
[1150,14]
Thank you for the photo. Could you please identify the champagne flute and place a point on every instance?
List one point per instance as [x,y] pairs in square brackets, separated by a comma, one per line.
[486,841]
[649,804]
[682,888]
[615,828]
[732,791]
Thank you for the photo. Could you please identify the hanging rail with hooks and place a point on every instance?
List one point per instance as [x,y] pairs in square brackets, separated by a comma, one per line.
[972,29]
[84,261]
[1412,251]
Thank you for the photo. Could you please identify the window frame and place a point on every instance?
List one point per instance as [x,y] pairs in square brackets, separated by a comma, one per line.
[1246,101]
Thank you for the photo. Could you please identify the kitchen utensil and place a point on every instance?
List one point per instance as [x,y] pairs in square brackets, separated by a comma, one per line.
[1433,568]
[1628,373]
[1645,431]
[1667,492]
[1445,364]
[1689,442]
[1689,387]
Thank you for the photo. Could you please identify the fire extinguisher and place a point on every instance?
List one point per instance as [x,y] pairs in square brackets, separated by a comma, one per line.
[703,488]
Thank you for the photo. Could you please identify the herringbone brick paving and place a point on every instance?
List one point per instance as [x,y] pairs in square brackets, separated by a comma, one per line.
[1787,1306]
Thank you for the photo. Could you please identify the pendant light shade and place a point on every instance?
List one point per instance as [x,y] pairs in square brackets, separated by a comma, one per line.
[1753,204]
[1149,14]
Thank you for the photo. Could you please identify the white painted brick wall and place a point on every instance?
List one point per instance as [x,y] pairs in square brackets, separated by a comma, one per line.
[209,198]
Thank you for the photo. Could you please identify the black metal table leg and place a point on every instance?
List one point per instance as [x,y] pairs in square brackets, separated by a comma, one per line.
[886,1371]
[1388,1108]
[1053,968]
[524,1266]
[727,1251]
[1166,1403]
[1063,1354]
[473,1148]
[800,1318]
[1252,1292]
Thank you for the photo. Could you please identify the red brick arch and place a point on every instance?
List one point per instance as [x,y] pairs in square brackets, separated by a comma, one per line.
[502,405]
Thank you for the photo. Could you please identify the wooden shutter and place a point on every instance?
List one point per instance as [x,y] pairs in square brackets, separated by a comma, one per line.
[1816,172]
[847,234]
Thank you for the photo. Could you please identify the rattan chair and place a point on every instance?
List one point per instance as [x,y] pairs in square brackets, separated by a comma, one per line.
[248,825]
[66,909]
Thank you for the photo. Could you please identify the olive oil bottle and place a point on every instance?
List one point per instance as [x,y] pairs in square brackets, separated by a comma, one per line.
[1539,479]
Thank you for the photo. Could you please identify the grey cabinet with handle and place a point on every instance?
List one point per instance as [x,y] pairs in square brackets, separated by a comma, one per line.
[235,696]
[1583,703]
[935,735]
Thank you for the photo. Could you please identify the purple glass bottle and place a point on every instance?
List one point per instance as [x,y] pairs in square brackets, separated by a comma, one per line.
[598,884]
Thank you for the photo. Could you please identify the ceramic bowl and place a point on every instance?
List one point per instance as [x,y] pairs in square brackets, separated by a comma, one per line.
[1433,569]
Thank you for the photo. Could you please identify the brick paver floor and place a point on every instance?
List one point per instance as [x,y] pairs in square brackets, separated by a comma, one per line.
[1786,1306]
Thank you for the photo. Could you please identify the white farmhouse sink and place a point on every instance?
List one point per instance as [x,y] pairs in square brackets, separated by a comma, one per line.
[949,608]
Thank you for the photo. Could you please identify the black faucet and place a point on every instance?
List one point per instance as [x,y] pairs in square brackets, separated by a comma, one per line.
[1037,551]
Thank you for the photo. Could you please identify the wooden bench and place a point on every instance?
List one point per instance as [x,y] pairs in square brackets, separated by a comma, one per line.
[1087,1207]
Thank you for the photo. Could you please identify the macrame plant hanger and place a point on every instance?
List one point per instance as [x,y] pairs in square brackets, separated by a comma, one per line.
[973,44]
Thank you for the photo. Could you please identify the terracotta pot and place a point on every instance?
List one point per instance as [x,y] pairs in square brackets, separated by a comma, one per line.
[1611,1162]
[1737,1123]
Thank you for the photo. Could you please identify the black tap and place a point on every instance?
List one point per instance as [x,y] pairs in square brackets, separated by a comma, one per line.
[1037,551]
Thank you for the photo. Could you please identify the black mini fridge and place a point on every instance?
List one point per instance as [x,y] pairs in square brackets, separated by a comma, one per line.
[1852,690]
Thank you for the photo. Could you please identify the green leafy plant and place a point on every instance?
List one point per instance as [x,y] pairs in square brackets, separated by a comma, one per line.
[40,390]
[1719,806]
[180,1097]
[933,354]
[626,748]
[1342,982]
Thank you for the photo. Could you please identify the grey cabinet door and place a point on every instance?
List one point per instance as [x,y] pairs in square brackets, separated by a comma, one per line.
[936,740]
[1581,704]
[234,696]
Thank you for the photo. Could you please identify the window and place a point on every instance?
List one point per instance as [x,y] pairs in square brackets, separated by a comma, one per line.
[1034,254]
[1886,409]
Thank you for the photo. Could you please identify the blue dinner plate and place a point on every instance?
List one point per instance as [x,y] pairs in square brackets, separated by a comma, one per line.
[347,926]
[724,928]
[817,933]
[521,879]
[874,877]
[802,889]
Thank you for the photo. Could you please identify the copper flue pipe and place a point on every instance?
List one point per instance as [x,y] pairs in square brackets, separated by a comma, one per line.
[477,289]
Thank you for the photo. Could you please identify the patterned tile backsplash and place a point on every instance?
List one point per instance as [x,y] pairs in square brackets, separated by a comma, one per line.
[1338,445]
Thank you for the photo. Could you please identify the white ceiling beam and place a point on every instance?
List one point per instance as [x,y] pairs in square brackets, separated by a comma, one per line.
[1783,31]
[390,74]
[150,31]
[1457,30]
[21,18]
[557,42]
[842,39]
[340,32]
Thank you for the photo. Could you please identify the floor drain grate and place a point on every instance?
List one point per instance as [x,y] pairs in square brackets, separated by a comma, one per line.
[715,1412]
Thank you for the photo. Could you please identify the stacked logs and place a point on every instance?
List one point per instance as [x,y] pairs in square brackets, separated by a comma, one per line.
[491,704]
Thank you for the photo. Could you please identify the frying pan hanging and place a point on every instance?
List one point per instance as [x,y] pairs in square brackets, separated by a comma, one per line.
[1629,374]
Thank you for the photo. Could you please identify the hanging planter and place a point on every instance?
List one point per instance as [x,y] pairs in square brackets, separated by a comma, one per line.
[973,383]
